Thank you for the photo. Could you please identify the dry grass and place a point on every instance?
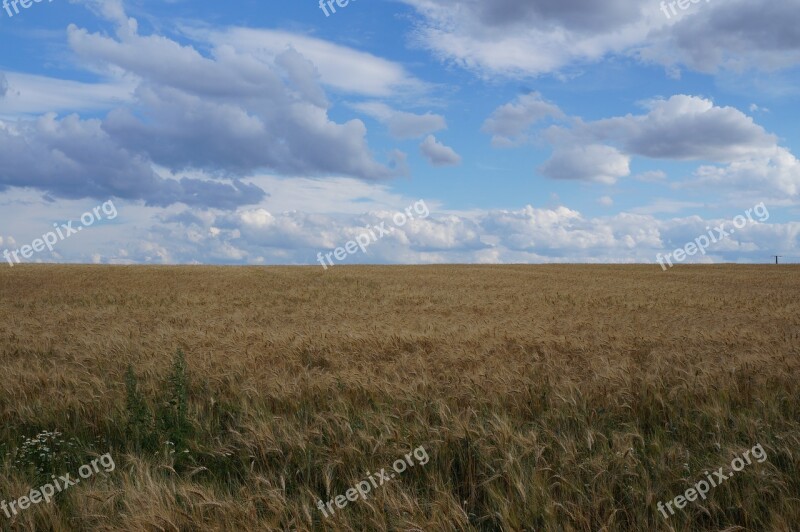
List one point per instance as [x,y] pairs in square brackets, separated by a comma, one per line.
[548,397]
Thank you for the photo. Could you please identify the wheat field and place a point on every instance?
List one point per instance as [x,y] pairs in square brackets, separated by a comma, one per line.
[550,398]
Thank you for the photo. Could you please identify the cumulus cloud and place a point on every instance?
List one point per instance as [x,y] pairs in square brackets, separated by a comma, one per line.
[438,154]
[565,233]
[256,235]
[340,67]
[303,76]
[529,234]
[510,123]
[226,114]
[735,35]
[231,112]
[74,158]
[778,171]
[403,125]
[268,234]
[681,128]
[34,95]
[602,164]
[686,127]
[651,176]
[514,38]
[7,242]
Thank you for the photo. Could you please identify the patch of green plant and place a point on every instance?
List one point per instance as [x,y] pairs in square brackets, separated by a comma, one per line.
[173,415]
[139,425]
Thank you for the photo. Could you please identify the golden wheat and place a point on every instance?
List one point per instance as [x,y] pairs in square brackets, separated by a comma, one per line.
[548,397]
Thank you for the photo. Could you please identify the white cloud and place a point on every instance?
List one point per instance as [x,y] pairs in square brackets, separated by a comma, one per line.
[340,67]
[403,125]
[606,201]
[526,235]
[261,235]
[510,123]
[28,94]
[651,176]
[779,171]
[438,154]
[735,35]
[684,128]
[666,206]
[228,115]
[594,162]
[513,38]
[681,128]
[232,112]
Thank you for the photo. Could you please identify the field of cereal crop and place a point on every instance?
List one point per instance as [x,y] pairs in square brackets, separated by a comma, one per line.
[544,397]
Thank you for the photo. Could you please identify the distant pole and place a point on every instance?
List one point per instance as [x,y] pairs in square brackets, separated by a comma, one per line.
[777,257]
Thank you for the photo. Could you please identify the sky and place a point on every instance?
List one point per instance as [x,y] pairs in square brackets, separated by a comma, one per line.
[469,131]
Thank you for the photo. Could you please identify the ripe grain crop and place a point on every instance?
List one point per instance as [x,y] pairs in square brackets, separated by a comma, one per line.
[547,397]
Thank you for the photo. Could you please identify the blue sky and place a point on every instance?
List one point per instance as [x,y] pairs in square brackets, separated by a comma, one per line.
[267,133]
